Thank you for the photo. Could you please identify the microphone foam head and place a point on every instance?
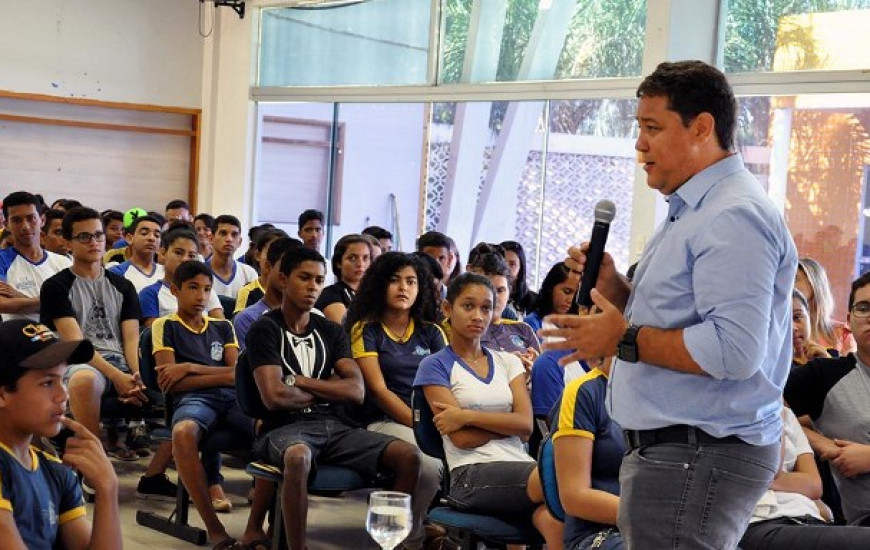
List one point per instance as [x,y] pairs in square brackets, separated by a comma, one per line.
[605,211]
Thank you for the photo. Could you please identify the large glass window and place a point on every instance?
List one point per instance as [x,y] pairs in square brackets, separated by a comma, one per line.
[811,153]
[375,43]
[796,35]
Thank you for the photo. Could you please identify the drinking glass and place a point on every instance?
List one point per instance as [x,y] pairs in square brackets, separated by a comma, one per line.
[389,518]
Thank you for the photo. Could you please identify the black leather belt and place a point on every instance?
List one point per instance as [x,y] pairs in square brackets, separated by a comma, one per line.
[688,435]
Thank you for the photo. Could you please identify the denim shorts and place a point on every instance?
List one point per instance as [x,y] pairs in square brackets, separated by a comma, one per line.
[212,407]
[115,359]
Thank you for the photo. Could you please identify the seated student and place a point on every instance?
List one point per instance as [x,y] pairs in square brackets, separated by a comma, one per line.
[351,257]
[503,334]
[229,275]
[474,257]
[121,251]
[375,245]
[269,271]
[253,291]
[250,255]
[556,296]
[303,369]
[788,516]
[384,237]
[25,265]
[482,409]
[548,381]
[157,300]
[803,347]
[392,328]
[86,301]
[204,226]
[438,245]
[196,357]
[52,233]
[311,228]
[113,225]
[141,269]
[522,298]
[812,280]
[835,394]
[177,210]
[588,448]
[65,204]
[41,503]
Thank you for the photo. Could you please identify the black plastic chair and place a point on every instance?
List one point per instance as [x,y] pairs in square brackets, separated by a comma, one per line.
[469,529]
[229,305]
[328,480]
[176,524]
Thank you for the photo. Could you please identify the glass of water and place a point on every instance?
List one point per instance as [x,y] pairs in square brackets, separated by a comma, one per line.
[389,518]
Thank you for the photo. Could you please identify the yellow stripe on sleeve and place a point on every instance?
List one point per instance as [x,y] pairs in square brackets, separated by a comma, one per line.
[157,330]
[70,515]
[569,401]
[357,345]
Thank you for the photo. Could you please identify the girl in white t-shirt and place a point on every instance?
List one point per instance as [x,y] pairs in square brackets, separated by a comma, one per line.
[483,411]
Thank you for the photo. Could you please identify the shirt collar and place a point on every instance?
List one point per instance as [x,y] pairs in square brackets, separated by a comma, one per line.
[693,191]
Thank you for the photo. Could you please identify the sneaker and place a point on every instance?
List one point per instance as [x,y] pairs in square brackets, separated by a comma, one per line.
[156,487]
[121,453]
[138,441]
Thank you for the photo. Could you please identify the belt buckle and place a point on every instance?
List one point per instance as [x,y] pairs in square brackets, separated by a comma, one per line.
[632,439]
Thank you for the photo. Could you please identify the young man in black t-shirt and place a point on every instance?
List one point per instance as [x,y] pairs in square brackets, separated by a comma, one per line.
[304,371]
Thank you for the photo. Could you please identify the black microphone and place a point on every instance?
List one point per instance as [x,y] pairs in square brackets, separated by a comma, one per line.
[605,210]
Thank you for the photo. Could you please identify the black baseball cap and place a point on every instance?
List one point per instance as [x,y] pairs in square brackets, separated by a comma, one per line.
[25,344]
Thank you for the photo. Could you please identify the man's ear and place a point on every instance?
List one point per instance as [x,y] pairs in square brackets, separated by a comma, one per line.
[174,289]
[4,393]
[704,126]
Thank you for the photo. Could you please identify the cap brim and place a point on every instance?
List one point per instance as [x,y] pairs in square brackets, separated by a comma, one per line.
[73,352]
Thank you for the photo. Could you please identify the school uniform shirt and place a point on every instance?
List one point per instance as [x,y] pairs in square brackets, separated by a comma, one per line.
[204,346]
[248,295]
[242,274]
[335,293]
[313,354]
[489,394]
[139,278]
[41,498]
[549,379]
[157,300]
[27,277]
[98,305]
[399,356]
[508,335]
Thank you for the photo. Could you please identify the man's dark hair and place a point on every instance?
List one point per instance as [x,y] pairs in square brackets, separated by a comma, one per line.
[269,234]
[51,215]
[160,218]
[433,238]
[66,204]
[341,247]
[483,249]
[227,219]
[377,232]
[255,231]
[308,215]
[177,203]
[169,237]
[294,257]
[77,214]
[188,270]
[491,265]
[207,219]
[19,198]
[858,284]
[692,88]
[279,247]
[136,221]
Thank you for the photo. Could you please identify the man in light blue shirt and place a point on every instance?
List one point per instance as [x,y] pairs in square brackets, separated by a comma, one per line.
[704,345]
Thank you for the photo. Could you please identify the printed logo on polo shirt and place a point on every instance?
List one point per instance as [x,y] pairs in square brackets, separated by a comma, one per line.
[420,350]
[217,351]
[517,341]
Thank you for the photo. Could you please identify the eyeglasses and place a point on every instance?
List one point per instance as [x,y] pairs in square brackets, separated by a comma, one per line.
[861,309]
[84,237]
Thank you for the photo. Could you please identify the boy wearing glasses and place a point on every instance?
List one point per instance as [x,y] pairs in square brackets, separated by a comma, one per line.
[25,265]
[85,301]
[835,393]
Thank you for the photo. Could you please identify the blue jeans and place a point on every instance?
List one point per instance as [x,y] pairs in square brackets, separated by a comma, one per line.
[692,496]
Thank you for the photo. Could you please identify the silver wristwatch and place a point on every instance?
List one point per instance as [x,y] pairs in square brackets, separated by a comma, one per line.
[290,380]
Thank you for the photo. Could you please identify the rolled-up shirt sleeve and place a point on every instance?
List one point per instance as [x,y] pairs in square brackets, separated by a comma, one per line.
[736,263]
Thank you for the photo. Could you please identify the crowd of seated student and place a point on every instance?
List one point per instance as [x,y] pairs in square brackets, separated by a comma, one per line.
[391,304]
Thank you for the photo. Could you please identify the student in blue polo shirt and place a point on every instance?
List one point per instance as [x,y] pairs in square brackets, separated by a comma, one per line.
[41,504]
[196,357]
[253,291]
[229,275]
[392,328]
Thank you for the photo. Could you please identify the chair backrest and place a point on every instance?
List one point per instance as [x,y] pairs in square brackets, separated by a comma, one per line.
[229,305]
[549,481]
[425,432]
[247,392]
[146,360]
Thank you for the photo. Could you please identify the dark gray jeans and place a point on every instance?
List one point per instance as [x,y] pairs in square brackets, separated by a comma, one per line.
[676,496]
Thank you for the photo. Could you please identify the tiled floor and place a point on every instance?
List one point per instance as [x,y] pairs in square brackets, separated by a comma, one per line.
[333,523]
